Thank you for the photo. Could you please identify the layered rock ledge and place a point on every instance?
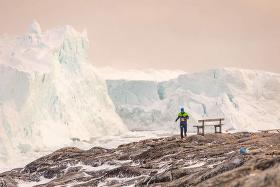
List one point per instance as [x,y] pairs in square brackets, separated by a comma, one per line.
[210,160]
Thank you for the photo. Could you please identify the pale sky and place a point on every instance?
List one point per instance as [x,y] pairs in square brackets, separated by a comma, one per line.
[190,35]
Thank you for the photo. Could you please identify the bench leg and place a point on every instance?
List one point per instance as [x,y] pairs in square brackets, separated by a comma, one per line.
[218,129]
[200,132]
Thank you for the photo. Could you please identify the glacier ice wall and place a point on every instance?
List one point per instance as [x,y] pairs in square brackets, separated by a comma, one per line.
[249,100]
[49,93]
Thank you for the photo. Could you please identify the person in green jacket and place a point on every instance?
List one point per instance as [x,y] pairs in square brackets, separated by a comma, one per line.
[183,116]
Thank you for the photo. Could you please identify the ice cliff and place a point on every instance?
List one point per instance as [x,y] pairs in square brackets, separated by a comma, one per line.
[49,93]
[249,100]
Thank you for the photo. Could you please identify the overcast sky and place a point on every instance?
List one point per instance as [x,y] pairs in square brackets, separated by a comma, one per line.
[191,35]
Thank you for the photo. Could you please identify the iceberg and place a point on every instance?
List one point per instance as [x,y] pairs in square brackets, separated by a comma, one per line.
[249,100]
[50,93]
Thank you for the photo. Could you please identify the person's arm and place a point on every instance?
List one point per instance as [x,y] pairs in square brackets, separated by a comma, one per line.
[177,119]
[187,116]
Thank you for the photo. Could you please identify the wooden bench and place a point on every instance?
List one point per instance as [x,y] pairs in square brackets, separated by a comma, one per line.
[218,126]
[270,130]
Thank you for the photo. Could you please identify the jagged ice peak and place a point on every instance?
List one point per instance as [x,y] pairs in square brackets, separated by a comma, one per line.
[35,28]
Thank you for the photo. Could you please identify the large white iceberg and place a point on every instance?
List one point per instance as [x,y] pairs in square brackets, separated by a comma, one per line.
[50,93]
[247,99]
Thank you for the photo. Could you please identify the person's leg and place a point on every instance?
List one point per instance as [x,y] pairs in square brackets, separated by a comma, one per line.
[181,129]
[185,129]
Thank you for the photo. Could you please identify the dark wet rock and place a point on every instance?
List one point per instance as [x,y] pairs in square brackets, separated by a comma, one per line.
[7,181]
[210,160]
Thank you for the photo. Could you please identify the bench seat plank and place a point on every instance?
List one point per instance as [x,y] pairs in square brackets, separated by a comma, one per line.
[209,125]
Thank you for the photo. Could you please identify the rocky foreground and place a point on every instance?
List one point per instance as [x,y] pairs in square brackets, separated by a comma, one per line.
[210,160]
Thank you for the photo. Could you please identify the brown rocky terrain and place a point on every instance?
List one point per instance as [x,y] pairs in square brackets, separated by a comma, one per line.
[210,160]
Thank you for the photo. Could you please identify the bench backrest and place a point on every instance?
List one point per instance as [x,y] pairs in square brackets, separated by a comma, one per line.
[211,120]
